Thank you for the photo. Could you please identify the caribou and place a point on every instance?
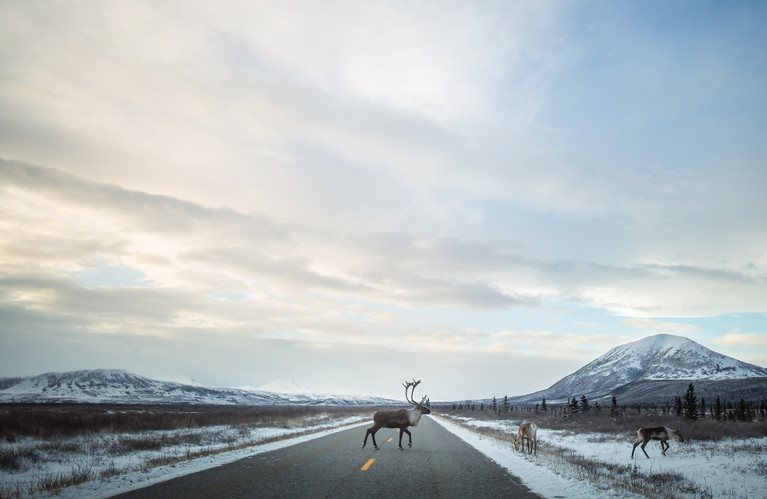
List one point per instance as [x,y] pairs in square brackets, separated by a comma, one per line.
[399,418]
[662,433]
[529,432]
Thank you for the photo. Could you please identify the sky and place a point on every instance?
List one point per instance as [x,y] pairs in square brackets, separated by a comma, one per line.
[484,195]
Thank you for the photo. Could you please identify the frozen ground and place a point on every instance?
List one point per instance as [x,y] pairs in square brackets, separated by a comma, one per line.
[134,472]
[589,465]
[600,465]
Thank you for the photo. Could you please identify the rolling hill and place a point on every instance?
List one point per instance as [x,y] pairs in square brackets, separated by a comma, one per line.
[116,386]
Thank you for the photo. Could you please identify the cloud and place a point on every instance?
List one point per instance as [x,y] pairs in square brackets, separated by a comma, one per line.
[742,340]
[366,173]
[546,344]
[661,325]
[186,250]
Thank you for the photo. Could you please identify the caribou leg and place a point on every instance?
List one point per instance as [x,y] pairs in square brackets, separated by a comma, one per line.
[409,437]
[635,446]
[372,432]
[644,443]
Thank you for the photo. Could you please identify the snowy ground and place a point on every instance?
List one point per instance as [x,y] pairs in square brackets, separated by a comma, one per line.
[600,465]
[134,472]
[590,465]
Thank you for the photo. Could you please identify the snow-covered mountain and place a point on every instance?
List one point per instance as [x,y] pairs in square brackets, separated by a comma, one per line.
[652,362]
[116,386]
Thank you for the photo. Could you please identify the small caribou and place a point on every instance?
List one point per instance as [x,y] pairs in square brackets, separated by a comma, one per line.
[529,432]
[399,418]
[662,433]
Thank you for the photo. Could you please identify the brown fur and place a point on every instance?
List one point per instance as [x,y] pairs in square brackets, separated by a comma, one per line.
[399,418]
[527,432]
[661,433]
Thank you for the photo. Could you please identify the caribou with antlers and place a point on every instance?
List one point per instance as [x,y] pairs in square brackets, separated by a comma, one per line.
[399,418]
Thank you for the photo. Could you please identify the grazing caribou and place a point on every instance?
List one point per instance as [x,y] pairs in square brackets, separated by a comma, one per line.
[529,432]
[399,418]
[662,433]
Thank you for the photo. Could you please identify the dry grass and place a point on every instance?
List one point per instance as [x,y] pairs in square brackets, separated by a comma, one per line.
[626,423]
[621,477]
[89,438]
[600,426]
[49,421]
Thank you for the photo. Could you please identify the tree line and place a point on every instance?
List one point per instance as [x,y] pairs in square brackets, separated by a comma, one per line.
[687,407]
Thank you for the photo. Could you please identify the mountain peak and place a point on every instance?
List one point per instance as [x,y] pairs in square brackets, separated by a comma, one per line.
[662,357]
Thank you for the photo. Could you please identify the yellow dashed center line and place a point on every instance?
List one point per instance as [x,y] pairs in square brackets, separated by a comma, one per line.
[368,464]
[390,439]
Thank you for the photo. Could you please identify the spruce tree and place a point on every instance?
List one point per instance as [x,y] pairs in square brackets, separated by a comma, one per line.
[690,404]
[585,406]
[718,409]
[614,408]
[744,412]
[543,405]
[574,405]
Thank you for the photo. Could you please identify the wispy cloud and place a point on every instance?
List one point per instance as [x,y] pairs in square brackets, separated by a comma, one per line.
[380,175]
[742,340]
[654,325]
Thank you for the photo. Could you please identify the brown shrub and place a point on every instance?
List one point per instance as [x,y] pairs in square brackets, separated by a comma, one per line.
[47,421]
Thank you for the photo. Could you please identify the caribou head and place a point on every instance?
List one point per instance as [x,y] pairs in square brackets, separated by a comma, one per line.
[423,405]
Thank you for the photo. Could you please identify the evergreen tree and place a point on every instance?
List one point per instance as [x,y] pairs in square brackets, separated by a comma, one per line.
[494,407]
[574,405]
[597,407]
[718,409]
[678,406]
[543,405]
[505,403]
[690,403]
[614,408]
[703,407]
[585,406]
[743,413]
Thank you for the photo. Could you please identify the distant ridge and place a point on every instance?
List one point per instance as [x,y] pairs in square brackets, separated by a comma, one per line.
[657,369]
[116,386]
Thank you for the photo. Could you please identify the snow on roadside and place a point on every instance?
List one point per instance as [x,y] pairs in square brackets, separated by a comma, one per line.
[124,483]
[132,480]
[539,478]
[735,468]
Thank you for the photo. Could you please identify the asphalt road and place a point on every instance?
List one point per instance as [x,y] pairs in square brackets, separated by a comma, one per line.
[438,465]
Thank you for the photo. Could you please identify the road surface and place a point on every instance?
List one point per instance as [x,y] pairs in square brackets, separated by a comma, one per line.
[439,465]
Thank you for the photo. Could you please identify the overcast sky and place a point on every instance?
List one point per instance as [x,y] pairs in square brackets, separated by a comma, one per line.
[482,195]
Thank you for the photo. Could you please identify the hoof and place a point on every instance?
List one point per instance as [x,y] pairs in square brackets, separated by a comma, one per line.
[410,445]
[376,447]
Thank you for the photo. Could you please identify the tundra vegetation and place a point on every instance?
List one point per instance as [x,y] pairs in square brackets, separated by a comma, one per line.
[96,442]
[735,430]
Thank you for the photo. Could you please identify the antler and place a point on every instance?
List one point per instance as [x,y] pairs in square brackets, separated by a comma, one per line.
[407,385]
[412,384]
